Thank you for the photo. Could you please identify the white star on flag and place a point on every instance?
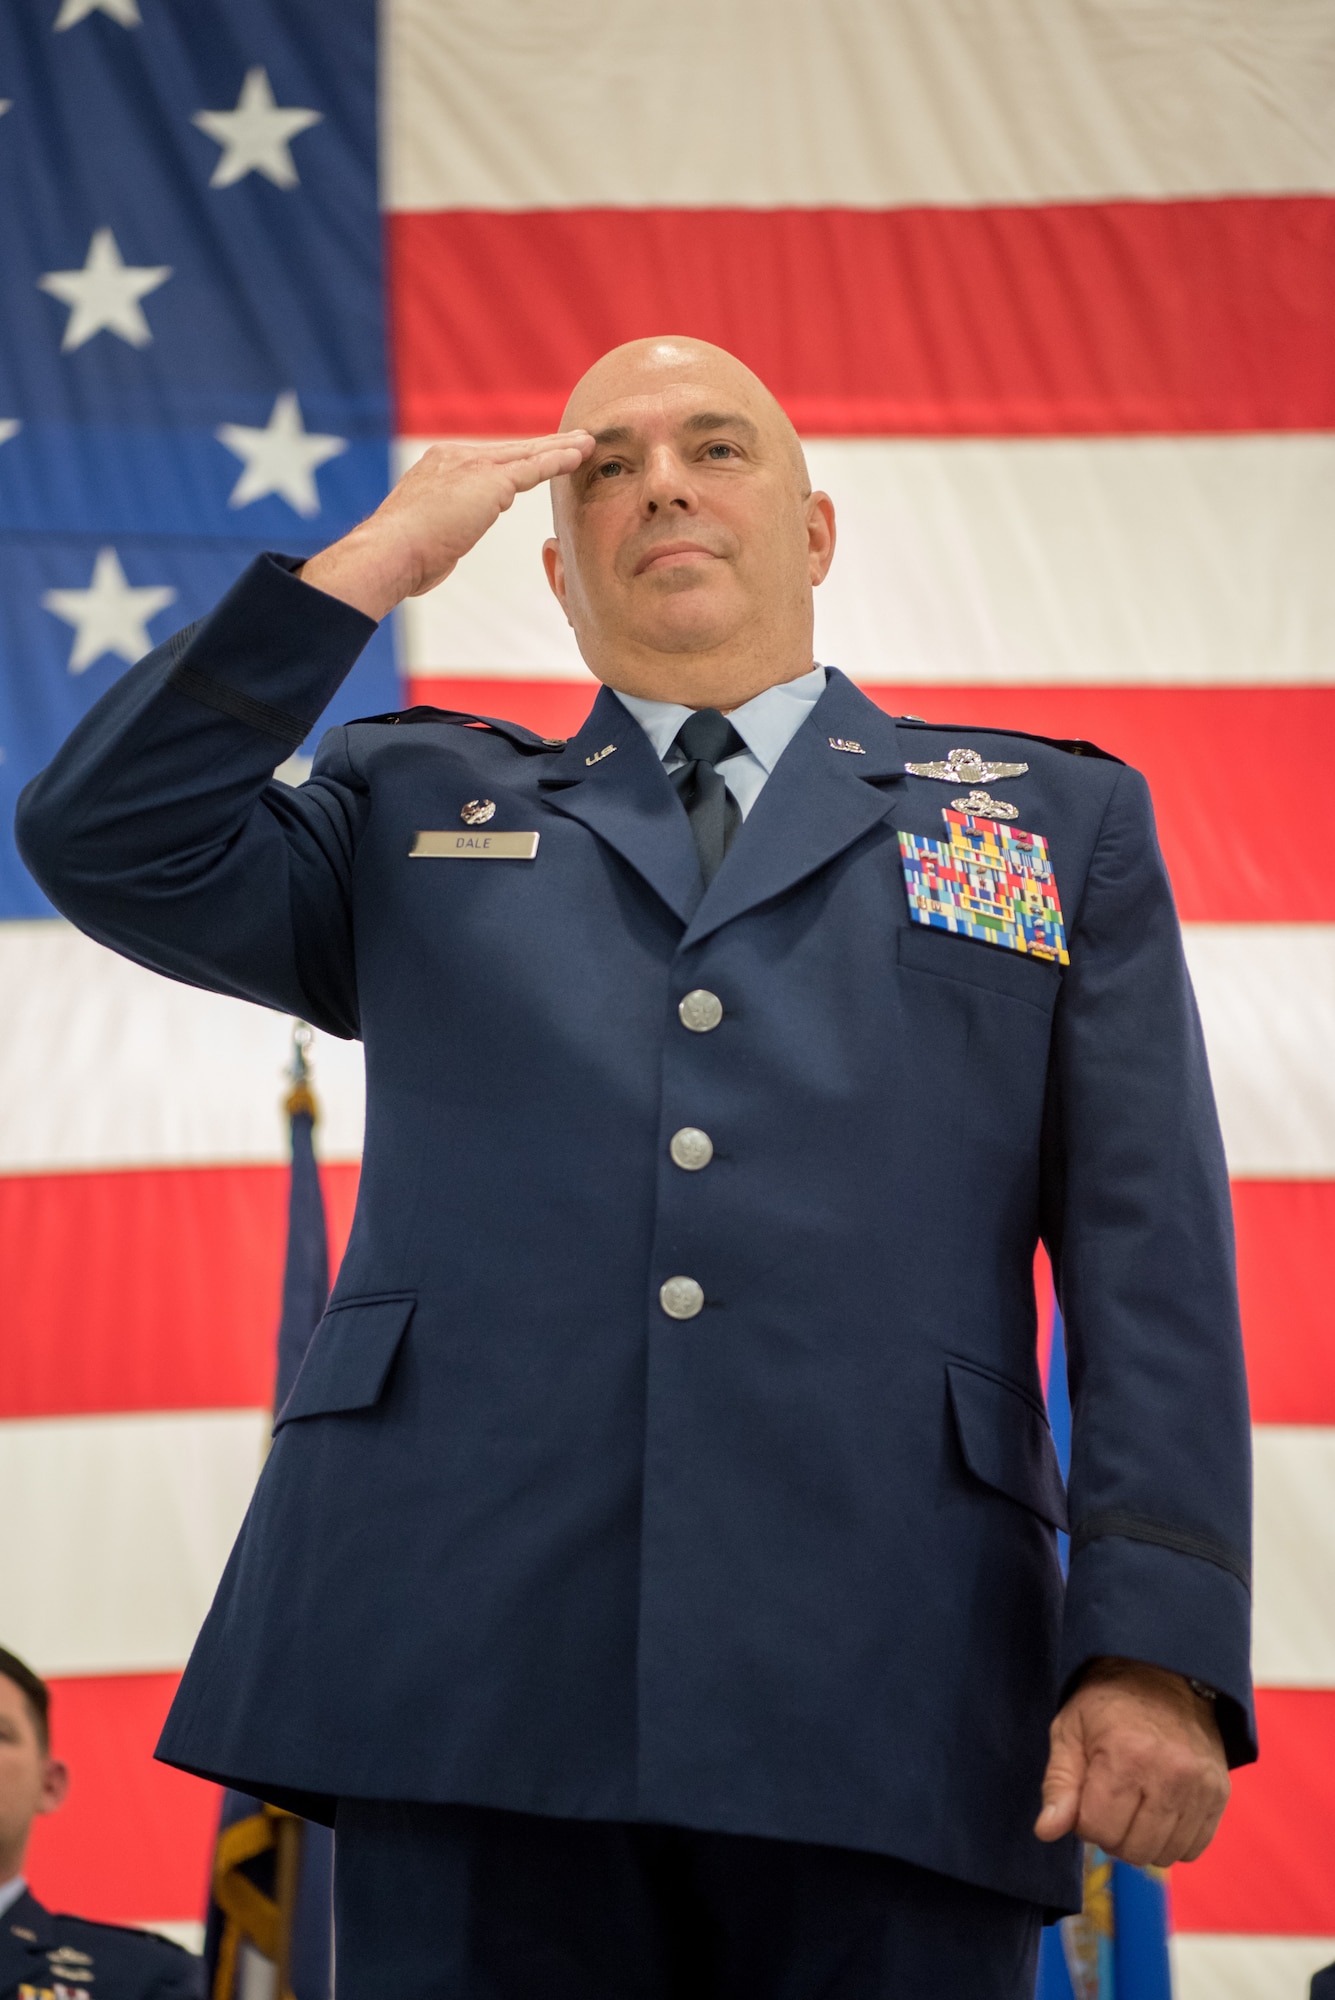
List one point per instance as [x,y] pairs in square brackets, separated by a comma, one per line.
[74,11]
[5,103]
[281,458]
[9,427]
[111,616]
[105,293]
[255,136]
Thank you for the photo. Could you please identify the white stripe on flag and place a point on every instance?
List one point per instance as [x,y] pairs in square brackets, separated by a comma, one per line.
[1267,999]
[1156,561]
[775,103]
[1216,1967]
[1294,1633]
[103,1064]
[127,1522]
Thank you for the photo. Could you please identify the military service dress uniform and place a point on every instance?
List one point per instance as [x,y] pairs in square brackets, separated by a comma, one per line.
[44,1956]
[673,1448]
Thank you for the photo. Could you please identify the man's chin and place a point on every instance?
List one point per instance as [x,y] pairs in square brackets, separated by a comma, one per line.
[687,620]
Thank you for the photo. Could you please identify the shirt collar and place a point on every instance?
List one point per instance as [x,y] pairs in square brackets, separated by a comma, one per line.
[11,1891]
[766,724]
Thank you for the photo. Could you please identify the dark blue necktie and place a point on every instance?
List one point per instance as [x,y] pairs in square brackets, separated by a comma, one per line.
[704,740]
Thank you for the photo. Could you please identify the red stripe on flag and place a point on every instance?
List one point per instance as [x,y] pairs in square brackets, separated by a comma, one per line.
[1088,319]
[133,1842]
[1220,762]
[1268,1869]
[156,1290]
[553,708]
[1284,1231]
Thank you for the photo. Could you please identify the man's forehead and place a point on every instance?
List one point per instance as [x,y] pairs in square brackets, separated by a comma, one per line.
[627,425]
[640,411]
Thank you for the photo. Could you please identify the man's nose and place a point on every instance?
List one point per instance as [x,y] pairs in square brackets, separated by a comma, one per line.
[667,483]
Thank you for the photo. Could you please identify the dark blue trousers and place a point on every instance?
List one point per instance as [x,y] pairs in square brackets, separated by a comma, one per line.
[465,1903]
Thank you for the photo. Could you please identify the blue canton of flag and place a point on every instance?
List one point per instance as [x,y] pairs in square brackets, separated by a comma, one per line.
[192,347]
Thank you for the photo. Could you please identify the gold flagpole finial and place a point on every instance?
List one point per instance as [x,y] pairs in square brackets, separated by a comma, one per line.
[301,1097]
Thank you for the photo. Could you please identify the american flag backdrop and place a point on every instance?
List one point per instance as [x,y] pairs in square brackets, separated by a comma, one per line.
[1048,287]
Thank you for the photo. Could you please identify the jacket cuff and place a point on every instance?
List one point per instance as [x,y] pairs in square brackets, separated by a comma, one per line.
[1133,1600]
[272,653]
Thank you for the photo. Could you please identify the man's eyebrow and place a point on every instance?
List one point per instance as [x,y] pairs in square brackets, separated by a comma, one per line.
[721,420]
[614,434]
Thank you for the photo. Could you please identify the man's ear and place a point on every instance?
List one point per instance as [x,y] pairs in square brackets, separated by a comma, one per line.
[55,1784]
[820,536]
[554,564]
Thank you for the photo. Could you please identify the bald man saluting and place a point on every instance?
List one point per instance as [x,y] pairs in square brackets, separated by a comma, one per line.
[655,1574]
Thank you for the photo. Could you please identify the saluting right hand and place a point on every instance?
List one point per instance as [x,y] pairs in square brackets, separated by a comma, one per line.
[439,509]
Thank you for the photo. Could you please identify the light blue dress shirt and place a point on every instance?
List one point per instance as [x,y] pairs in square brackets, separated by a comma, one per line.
[766,724]
[10,1892]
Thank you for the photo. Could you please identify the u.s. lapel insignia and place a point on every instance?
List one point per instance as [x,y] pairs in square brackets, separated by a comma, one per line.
[847,743]
[598,755]
[984,807]
[966,767]
[993,883]
[477,812]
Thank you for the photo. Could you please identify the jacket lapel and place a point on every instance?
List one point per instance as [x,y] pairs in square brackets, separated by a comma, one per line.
[815,803]
[610,778]
[25,1932]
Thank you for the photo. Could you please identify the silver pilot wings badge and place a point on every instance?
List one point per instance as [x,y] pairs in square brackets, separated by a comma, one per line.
[965,766]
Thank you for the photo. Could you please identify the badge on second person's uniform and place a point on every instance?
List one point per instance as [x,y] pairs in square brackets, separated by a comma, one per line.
[990,882]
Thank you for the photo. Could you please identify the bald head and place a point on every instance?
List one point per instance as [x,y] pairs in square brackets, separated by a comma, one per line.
[687,544]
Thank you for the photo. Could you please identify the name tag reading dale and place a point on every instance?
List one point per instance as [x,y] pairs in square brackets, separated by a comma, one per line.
[474,845]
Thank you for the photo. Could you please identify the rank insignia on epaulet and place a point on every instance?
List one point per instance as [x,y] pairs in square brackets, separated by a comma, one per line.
[1075,746]
[516,733]
[989,882]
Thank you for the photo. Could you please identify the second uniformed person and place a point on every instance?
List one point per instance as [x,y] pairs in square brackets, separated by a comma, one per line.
[50,1956]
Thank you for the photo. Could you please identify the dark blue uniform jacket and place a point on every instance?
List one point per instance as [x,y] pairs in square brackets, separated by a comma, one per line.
[62,1958]
[788,1568]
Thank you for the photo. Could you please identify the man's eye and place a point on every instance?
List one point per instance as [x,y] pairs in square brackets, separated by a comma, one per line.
[609,469]
[719,451]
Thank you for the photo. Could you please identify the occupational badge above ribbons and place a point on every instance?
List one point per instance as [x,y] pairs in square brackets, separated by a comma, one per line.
[966,767]
[989,882]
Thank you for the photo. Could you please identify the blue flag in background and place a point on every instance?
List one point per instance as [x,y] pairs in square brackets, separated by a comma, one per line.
[1117,1948]
[273,1874]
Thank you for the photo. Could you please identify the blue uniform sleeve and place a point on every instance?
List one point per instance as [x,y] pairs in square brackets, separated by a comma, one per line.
[1138,1221]
[157,830]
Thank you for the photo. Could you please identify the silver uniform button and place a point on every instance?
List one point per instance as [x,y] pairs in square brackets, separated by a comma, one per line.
[680,1298]
[700,1011]
[691,1148]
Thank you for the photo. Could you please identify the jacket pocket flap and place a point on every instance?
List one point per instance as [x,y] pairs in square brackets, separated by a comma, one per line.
[349,1357]
[1006,1442]
[925,949]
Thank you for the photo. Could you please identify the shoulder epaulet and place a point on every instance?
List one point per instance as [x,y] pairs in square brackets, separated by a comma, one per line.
[514,732]
[1075,746]
[132,1933]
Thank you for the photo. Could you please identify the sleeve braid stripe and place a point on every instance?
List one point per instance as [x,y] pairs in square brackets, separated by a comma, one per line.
[262,715]
[1162,1534]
